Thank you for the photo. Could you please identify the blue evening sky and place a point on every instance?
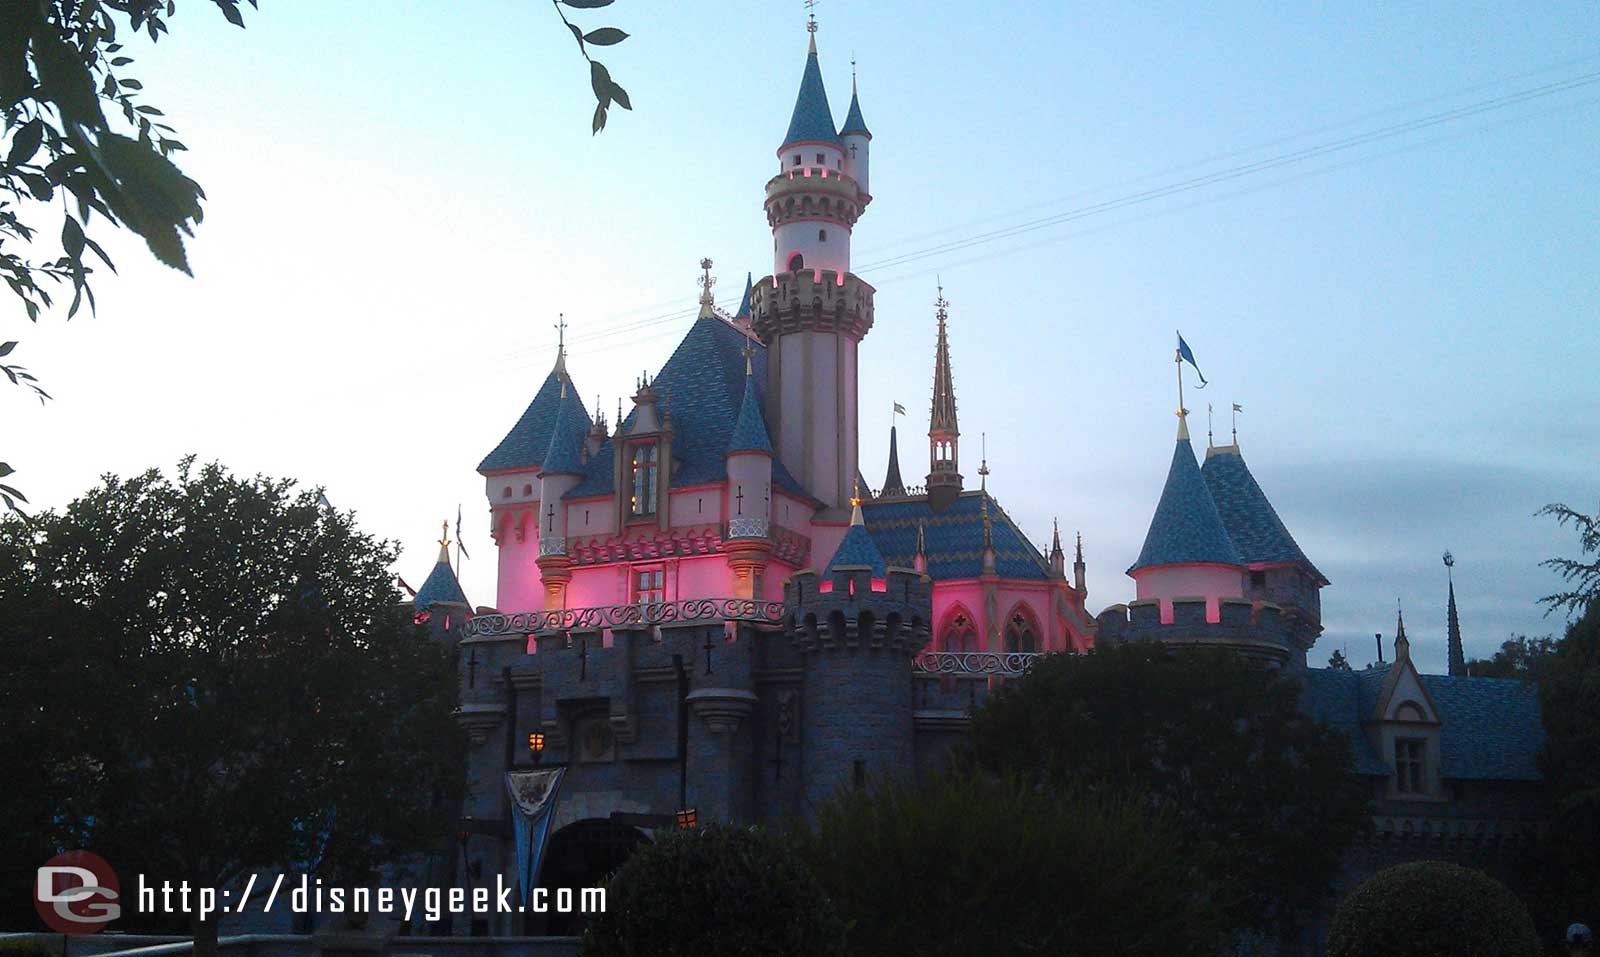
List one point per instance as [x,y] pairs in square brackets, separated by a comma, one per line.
[402,197]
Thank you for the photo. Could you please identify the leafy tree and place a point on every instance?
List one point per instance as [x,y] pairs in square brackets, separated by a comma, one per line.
[1431,909]
[210,676]
[1337,661]
[1519,657]
[1583,576]
[721,891]
[1257,788]
[606,90]
[970,865]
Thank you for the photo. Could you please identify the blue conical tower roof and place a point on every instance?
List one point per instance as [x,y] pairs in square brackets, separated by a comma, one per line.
[1252,523]
[857,548]
[853,123]
[812,119]
[565,455]
[744,304]
[1186,527]
[440,585]
[750,429]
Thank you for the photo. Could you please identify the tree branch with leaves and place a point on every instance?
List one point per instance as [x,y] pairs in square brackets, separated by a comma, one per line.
[606,90]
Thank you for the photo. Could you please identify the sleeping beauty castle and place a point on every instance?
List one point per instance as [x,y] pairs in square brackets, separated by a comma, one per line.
[704,614]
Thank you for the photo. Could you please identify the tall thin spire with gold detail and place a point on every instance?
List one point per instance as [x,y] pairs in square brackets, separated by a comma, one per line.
[944,434]
[708,305]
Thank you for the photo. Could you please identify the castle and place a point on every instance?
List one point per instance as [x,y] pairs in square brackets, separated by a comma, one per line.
[702,613]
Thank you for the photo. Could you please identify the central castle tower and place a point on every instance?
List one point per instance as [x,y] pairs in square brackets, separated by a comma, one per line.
[812,312]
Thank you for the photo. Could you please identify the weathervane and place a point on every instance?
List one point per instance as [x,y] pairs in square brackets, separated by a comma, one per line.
[1449,566]
[811,14]
[940,303]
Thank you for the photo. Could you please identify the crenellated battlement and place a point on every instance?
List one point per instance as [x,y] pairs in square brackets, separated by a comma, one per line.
[849,608]
[822,300]
[1255,628]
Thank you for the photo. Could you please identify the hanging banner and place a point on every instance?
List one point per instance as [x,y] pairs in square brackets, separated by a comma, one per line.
[533,801]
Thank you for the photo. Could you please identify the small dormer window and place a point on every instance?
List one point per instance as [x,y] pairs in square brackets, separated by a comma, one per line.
[797,159]
[1409,754]
[822,235]
[822,160]
[506,493]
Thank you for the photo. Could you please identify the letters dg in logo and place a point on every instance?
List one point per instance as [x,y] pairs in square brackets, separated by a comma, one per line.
[77,893]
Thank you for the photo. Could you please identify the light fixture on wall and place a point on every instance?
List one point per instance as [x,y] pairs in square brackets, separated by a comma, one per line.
[688,819]
[536,745]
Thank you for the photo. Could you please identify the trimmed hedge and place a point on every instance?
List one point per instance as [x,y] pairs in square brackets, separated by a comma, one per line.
[1431,908]
[721,891]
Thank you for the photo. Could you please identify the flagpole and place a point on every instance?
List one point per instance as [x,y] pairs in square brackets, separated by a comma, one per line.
[1178,359]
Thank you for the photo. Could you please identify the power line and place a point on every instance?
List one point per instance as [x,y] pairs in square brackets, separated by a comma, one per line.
[1150,195]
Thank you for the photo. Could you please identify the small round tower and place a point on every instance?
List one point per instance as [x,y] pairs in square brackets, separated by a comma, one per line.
[856,626]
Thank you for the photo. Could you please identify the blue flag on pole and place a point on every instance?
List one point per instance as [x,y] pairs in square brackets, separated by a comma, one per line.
[1186,355]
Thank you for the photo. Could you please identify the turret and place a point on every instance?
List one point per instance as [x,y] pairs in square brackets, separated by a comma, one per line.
[440,604]
[562,469]
[1457,655]
[1187,552]
[812,312]
[893,485]
[856,139]
[856,626]
[944,435]
[749,542]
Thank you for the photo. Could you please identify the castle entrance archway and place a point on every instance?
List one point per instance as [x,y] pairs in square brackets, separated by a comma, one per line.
[582,854]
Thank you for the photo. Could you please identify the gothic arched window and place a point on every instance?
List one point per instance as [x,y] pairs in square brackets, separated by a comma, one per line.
[959,635]
[1020,636]
[797,262]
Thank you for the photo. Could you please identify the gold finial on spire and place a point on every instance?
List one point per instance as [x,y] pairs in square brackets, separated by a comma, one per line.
[1210,443]
[811,22]
[852,73]
[560,325]
[1237,408]
[444,526]
[749,351]
[707,304]
[983,464]
[855,505]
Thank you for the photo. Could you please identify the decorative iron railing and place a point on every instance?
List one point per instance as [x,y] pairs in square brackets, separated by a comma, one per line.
[1005,664]
[636,615]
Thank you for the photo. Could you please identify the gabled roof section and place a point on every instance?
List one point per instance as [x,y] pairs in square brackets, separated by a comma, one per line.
[953,538]
[1186,526]
[1490,728]
[567,434]
[812,120]
[524,447]
[440,585]
[1250,520]
[703,386]
[750,430]
[853,123]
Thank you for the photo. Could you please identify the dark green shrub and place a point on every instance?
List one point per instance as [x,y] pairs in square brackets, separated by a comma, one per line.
[1431,908]
[975,866]
[718,892]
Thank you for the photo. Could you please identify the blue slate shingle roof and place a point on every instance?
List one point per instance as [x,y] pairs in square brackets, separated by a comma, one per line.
[703,386]
[567,434]
[858,548]
[812,120]
[750,430]
[853,123]
[440,585]
[953,538]
[1251,522]
[525,445]
[1186,526]
[1491,727]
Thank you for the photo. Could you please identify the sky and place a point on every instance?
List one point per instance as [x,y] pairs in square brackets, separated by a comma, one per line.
[1375,224]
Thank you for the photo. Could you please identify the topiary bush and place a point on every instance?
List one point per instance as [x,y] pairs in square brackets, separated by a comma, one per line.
[721,891]
[965,866]
[1431,908]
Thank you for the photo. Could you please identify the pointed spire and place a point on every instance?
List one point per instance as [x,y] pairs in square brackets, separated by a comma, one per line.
[853,123]
[1079,559]
[1058,558]
[942,418]
[893,484]
[1402,645]
[1458,658]
[1187,526]
[983,463]
[1078,570]
[444,542]
[812,120]
[567,436]
[857,547]
[1055,537]
[561,345]
[750,429]
[441,583]
[743,314]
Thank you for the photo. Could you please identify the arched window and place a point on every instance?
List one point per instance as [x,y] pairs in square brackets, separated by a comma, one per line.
[822,235]
[1020,636]
[797,262]
[643,501]
[959,634]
